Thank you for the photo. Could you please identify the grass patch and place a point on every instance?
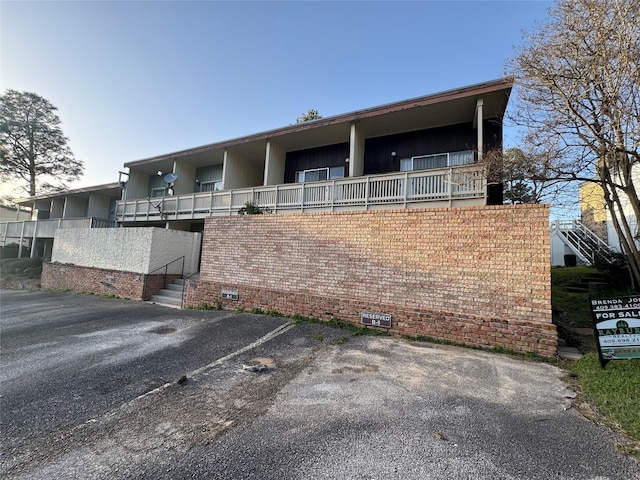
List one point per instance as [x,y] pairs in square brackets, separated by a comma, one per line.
[615,392]
[342,325]
[20,272]
[206,306]
[500,350]
[574,306]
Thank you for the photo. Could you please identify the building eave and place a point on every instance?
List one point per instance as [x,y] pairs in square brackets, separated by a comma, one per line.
[105,189]
[503,84]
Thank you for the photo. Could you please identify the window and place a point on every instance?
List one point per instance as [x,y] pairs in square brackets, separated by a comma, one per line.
[336,172]
[210,186]
[208,179]
[158,192]
[319,174]
[441,160]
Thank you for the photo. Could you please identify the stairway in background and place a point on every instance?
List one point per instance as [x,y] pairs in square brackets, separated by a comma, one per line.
[171,296]
[582,241]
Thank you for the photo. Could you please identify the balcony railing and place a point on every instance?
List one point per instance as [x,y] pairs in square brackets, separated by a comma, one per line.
[47,228]
[399,188]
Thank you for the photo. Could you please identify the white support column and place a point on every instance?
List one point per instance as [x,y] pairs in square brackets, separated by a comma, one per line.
[21,240]
[274,163]
[225,169]
[478,121]
[356,153]
[34,240]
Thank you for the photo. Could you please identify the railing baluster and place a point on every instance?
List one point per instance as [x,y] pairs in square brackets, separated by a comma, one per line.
[396,187]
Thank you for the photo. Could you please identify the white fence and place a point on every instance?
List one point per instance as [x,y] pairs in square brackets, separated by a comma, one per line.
[47,228]
[402,188]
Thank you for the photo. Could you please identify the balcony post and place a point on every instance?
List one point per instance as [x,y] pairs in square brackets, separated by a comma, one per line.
[406,188]
[34,239]
[6,232]
[478,121]
[356,152]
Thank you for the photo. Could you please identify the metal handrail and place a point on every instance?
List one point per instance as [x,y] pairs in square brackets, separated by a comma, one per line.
[166,268]
[581,239]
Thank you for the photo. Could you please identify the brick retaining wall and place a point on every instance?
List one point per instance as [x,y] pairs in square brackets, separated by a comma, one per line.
[131,285]
[476,275]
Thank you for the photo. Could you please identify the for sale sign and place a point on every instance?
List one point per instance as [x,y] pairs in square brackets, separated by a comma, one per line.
[616,323]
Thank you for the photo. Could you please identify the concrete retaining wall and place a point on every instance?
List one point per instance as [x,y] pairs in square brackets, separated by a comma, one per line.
[139,250]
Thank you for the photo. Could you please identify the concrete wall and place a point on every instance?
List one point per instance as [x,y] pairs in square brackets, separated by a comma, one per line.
[477,275]
[139,250]
[168,245]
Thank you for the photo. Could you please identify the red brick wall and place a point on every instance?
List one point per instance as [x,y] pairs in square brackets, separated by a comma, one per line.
[477,275]
[60,276]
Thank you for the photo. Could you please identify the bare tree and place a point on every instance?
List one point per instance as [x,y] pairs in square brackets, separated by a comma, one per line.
[578,95]
[33,148]
[523,173]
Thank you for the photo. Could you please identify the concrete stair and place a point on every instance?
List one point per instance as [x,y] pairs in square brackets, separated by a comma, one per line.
[588,284]
[170,296]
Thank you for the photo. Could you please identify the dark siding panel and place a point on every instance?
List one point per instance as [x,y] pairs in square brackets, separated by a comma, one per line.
[328,156]
[453,138]
[492,130]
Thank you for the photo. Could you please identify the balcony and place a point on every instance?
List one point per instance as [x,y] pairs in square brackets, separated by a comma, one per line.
[435,187]
[46,228]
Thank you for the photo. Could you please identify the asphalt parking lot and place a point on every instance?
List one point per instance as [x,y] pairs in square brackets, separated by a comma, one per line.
[98,388]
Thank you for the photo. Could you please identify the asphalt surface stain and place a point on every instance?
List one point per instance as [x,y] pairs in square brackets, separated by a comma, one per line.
[163,330]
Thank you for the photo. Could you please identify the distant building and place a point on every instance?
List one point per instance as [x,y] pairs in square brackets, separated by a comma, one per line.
[14,214]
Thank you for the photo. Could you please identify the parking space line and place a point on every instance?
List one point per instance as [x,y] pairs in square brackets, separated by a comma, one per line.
[272,334]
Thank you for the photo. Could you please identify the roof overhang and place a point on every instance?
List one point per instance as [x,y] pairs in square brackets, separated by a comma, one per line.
[111,190]
[439,109]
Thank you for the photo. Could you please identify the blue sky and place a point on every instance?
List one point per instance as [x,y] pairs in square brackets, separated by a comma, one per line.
[136,79]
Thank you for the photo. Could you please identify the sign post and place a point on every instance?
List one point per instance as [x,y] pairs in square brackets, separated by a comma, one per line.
[616,324]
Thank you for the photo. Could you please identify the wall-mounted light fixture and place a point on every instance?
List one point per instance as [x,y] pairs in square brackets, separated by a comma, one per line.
[197,182]
[393,154]
[346,160]
[159,173]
